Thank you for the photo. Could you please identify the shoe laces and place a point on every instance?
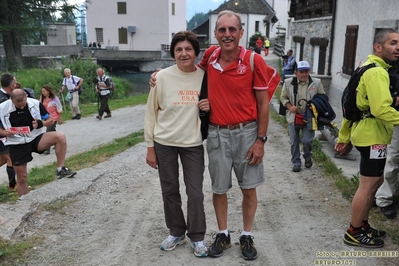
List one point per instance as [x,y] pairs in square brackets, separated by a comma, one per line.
[374,232]
[218,239]
[171,238]
[247,241]
[363,237]
[199,244]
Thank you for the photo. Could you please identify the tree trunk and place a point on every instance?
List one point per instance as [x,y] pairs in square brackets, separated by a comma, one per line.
[11,37]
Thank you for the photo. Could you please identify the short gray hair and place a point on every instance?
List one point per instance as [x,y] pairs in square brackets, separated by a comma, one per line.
[229,13]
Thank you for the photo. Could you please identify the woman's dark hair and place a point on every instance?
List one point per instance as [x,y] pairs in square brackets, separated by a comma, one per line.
[182,36]
[51,93]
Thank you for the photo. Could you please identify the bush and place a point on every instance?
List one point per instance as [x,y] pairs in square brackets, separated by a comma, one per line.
[83,68]
[253,38]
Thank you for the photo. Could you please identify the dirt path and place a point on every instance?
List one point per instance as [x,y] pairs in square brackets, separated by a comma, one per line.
[119,219]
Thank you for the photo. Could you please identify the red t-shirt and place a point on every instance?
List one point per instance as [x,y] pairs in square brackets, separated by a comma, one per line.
[259,43]
[231,91]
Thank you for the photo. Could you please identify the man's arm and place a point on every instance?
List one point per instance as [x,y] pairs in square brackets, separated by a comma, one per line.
[291,63]
[80,82]
[257,151]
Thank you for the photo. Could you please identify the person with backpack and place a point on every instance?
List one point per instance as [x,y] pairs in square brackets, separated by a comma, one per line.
[385,193]
[103,90]
[238,123]
[370,135]
[73,84]
[302,86]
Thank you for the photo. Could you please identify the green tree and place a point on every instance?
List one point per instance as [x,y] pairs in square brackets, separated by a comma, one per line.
[23,21]
[196,20]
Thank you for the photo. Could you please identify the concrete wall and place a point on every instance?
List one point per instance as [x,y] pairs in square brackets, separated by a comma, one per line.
[45,56]
[369,15]
[48,50]
[78,51]
[308,28]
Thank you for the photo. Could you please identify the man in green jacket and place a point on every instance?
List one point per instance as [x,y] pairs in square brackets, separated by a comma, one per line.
[370,136]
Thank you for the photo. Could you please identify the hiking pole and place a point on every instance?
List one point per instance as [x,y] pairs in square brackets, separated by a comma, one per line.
[98,102]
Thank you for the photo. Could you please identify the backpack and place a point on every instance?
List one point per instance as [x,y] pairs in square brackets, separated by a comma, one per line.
[349,108]
[111,84]
[74,83]
[394,83]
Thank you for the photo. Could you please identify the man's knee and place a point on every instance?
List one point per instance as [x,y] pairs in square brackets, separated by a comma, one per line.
[249,193]
[56,135]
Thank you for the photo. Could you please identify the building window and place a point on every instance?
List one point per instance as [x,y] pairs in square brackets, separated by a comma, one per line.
[122,32]
[256,26]
[350,49]
[121,8]
[99,35]
[173,9]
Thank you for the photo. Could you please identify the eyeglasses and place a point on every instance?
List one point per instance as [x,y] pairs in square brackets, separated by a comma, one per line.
[223,30]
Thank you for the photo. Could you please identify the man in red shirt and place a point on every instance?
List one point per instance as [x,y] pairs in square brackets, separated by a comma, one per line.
[239,117]
[259,44]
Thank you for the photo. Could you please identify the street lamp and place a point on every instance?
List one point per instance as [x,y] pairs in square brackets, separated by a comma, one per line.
[236,2]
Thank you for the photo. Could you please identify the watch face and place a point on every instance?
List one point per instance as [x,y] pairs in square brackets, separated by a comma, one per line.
[264,139]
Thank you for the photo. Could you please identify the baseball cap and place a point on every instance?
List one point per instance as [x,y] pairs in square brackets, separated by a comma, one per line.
[303,65]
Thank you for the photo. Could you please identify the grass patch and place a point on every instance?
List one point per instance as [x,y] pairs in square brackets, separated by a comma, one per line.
[92,108]
[13,253]
[39,176]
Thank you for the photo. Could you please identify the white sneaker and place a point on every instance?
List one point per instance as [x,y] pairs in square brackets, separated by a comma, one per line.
[171,242]
[200,250]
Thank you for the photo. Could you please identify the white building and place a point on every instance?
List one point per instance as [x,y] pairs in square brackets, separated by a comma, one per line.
[134,24]
[257,16]
[61,33]
[353,37]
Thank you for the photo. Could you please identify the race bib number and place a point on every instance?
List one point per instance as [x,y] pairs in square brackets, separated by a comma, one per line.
[378,151]
[20,130]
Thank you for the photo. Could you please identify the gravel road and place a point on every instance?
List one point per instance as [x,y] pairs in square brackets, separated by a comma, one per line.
[112,214]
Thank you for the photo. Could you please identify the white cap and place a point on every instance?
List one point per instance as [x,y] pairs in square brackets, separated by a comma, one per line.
[303,65]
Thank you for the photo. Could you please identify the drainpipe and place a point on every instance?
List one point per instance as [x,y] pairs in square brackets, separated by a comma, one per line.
[334,11]
[247,43]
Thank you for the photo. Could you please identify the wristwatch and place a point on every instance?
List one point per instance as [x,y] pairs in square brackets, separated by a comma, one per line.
[262,138]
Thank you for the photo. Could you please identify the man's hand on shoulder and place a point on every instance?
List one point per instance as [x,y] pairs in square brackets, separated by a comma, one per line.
[153,80]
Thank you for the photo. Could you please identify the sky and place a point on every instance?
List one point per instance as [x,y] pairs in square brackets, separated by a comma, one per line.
[192,6]
[198,6]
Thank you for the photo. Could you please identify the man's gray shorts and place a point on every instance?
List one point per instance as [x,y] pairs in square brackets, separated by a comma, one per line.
[227,150]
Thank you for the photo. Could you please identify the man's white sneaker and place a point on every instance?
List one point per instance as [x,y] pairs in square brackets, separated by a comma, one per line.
[199,249]
[171,242]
